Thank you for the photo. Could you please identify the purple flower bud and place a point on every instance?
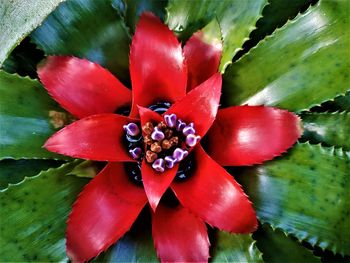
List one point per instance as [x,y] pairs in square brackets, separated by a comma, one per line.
[179,154]
[169,161]
[157,134]
[132,129]
[180,125]
[192,139]
[159,165]
[135,153]
[189,129]
[170,120]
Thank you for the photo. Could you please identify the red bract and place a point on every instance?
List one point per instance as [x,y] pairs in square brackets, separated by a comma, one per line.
[109,204]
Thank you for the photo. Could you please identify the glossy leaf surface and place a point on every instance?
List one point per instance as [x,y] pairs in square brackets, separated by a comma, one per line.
[203,53]
[305,193]
[151,82]
[14,171]
[235,248]
[246,135]
[179,235]
[236,18]
[87,29]
[34,213]
[277,247]
[327,128]
[25,118]
[299,66]
[200,105]
[275,15]
[103,212]
[213,195]
[82,87]
[98,137]
[14,27]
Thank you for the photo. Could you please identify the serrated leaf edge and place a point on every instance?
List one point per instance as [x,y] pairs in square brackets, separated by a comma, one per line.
[30,178]
[303,235]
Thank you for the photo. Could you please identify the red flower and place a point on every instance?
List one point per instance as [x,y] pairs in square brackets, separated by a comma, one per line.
[109,204]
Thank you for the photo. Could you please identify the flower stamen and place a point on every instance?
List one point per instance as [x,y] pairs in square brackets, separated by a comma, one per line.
[165,143]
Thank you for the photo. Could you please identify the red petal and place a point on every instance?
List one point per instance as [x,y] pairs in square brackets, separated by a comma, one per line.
[103,212]
[213,195]
[179,236]
[147,115]
[82,87]
[157,68]
[203,52]
[200,105]
[155,183]
[98,137]
[246,135]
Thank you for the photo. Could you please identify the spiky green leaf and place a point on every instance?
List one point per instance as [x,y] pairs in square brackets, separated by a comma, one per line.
[301,65]
[25,118]
[14,171]
[90,29]
[235,248]
[305,193]
[18,19]
[327,128]
[34,213]
[277,247]
[237,19]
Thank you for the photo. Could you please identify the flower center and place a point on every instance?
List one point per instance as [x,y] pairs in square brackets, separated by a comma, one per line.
[162,145]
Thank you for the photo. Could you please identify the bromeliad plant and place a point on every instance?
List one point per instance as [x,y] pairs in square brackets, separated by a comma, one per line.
[166,139]
[160,145]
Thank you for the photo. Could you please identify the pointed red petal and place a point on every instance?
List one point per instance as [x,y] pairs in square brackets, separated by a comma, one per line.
[147,115]
[155,183]
[203,53]
[98,137]
[82,87]
[179,236]
[103,212]
[246,135]
[200,105]
[157,68]
[213,195]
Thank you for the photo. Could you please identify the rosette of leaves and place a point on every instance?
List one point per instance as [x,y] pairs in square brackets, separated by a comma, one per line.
[293,55]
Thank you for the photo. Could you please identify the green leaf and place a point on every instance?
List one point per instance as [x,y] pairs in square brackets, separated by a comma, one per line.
[34,213]
[135,246]
[275,15]
[25,118]
[88,169]
[235,248]
[301,65]
[277,247]
[134,8]
[331,129]
[340,103]
[18,19]
[305,193]
[237,19]
[90,29]
[12,171]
